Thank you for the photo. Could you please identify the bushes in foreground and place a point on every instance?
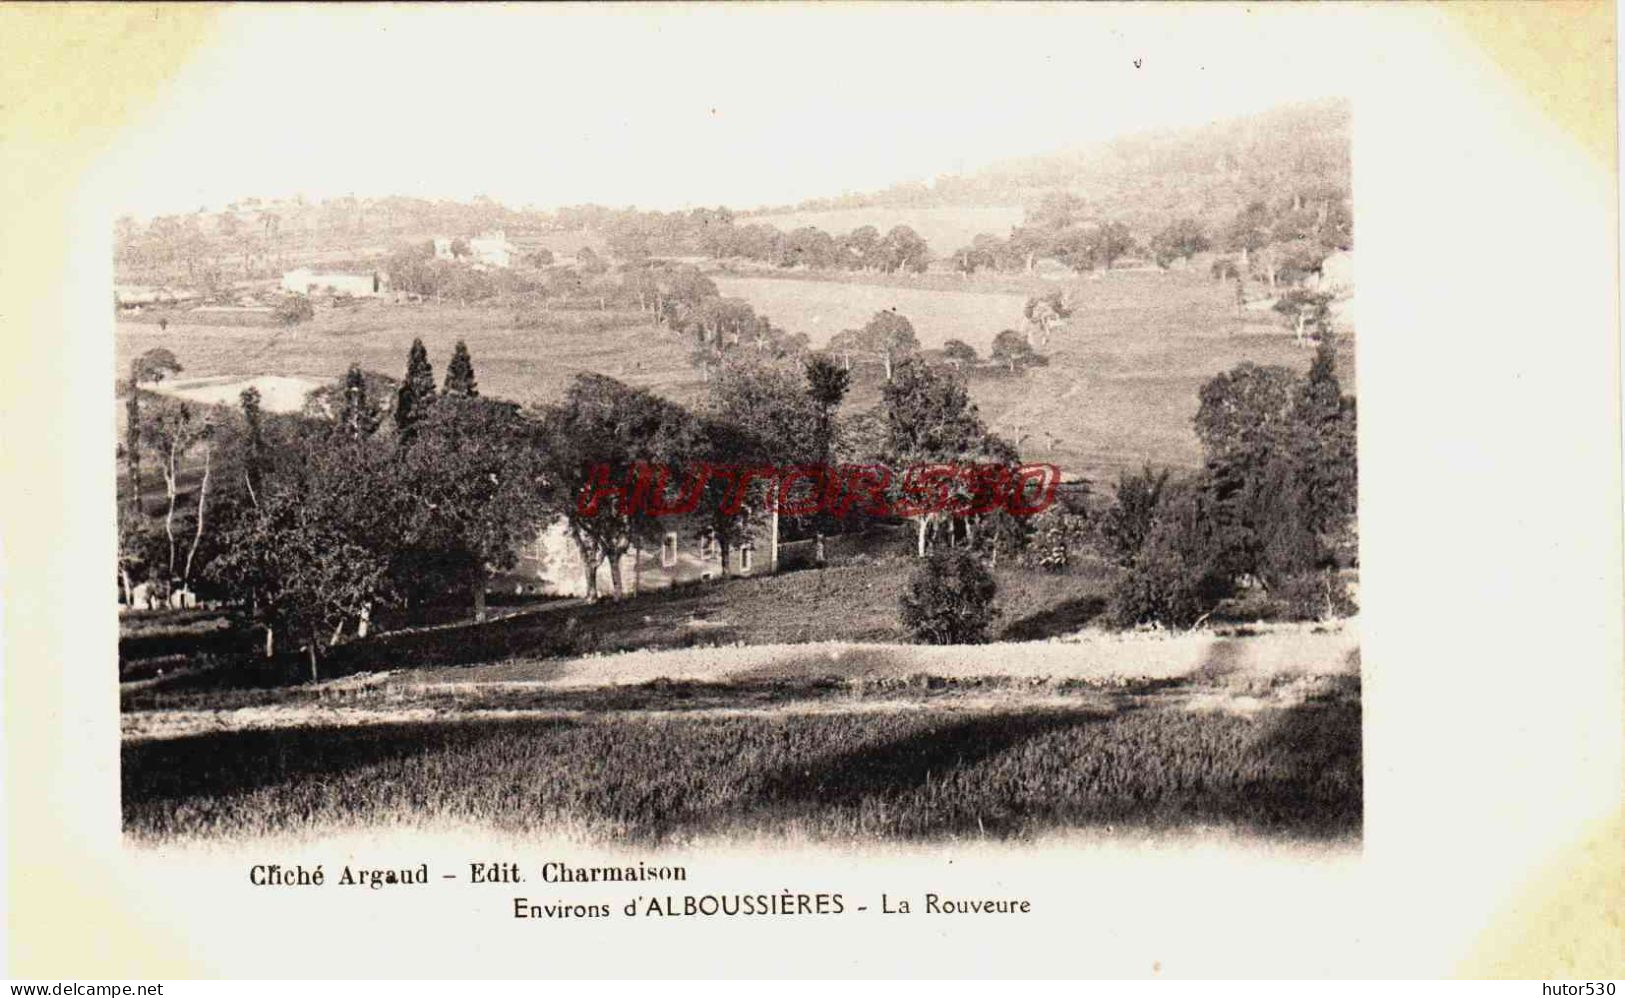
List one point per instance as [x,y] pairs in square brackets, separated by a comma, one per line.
[949,599]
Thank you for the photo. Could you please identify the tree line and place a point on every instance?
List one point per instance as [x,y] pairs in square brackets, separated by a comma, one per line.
[385,494]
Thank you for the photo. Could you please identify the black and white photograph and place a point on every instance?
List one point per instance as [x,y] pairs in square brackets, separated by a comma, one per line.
[1006,501]
[817,490]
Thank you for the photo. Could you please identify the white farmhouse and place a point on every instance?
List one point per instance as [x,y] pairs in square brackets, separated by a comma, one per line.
[493,249]
[306,281]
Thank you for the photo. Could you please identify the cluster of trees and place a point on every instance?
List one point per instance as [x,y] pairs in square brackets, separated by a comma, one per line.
[1285,241]
[382,493]
[1059,227]
[716,233]
[1272,509]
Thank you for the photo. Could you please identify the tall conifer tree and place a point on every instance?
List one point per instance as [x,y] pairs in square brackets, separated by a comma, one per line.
[417,390]
[460,373]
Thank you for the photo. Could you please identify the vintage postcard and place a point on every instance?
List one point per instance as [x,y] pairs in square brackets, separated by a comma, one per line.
[817,491]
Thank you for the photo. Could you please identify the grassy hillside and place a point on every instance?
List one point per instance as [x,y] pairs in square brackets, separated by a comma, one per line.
[1121,386]
[526,359]
[1144,180]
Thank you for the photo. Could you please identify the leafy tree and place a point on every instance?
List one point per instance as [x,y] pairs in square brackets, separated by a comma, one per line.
[860,249]
[809,247]
[967,260]
[150,367]
[171,429]
[540,257]
[599,435]
[479,481]
[1180,239]
[460,373]
[1046,313]
[949,599]
[1249,232]
[314,551]
[416,395]
[1181,572]
[590,262]
[929,419]
[1307,313]
[254,457]
[890,335]
[827,385]
[1013,350]
[959,353]
[1124,527]
[1108,242]
[903,249]
[1327,463]
[293,309]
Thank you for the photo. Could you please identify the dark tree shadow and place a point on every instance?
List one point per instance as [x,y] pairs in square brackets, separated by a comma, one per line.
[1065,618]
[221,764]
[902,765]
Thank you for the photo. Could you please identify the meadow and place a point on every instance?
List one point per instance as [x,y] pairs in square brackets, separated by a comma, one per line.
[1120,388]
[1115,762]
[528,358]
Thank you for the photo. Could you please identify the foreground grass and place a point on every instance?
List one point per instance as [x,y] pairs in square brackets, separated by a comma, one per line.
[1289,772]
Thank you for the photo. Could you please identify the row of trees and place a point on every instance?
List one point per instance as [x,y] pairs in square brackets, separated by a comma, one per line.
[382,493]
[1275,242]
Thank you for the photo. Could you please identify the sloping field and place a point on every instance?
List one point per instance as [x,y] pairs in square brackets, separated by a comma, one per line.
[821,309]
[945,229]
[278,392]
[1120,389]
[522,364]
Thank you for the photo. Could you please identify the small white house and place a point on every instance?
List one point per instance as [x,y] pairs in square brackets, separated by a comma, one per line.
[306,281]
[493,249]
[1337,273]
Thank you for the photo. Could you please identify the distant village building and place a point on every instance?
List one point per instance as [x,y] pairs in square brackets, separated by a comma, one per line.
[1337,273]
[493,249]
[306,281]
[136,295]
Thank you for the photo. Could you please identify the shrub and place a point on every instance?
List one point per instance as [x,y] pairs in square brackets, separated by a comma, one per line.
[294,309]
[949,599]
[1316,596]
[1180,573]
[1123,528]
